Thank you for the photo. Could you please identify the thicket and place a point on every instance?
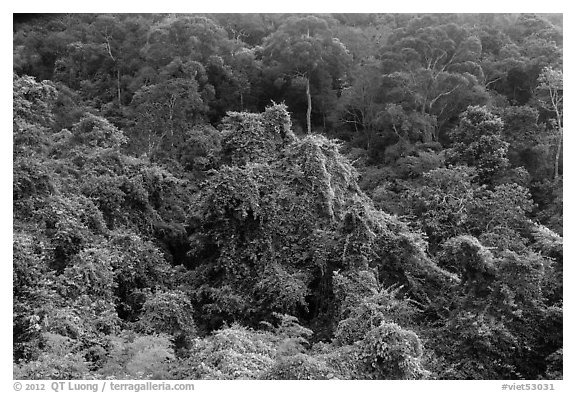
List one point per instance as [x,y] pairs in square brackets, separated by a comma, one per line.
[172,222]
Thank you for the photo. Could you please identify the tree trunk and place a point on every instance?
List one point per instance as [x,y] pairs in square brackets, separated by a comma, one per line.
[368,138]
[116,63]
[557,158]
[309,111]
[436,133]
[559,149]
[118,86]
[150,145]
[171,106]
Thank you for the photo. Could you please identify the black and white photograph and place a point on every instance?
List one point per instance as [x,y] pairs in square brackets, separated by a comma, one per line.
[325,196]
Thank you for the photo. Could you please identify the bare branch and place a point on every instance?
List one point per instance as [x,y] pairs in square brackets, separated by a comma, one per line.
[442,95]
[492,81]
[106,37]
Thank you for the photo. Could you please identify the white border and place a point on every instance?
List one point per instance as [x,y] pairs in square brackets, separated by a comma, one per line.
[302,6]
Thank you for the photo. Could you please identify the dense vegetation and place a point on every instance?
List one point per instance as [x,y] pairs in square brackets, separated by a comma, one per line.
[397,216]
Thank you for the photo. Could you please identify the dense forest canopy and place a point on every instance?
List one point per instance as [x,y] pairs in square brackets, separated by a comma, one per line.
[273,196]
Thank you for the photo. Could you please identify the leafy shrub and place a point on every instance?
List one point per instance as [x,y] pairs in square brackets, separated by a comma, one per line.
[168,312]
[417,165]
[142,267]
[201,148]
[555,365]
[487,344]
[293,337]
[371,312]
[90,273]
[478,142]
[390,352]
[32,101]
[57,361]
[70,223]
[281,290]
[443,203]
[31,178]
[94,131]
[470,260]
[133,356]
[299,367]
[234,352]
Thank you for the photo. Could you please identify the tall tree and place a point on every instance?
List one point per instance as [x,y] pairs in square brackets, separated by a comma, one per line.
[478,142]
[360,103]
[165,110]
[433,67]
[303,47]
[551,99]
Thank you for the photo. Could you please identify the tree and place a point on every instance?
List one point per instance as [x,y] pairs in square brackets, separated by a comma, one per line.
[501,216]
[496,314]
[165,110]
[443,203]
[518,48]
[33,103]
[360,103]
[528,26]
[291,213]
[363,34]
[409,126]
[169,313]
[191,37]
[38,45]
[478,143]
[93,59]
[433,67]
[551,99]
[527,139]
[303,47]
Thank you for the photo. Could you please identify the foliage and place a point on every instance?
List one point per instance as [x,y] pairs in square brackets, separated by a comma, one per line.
[390,352]
[499,324]
[359,106]
[93,131]
[414,166]
[172,222]
[234,352]
[289,223]
[142,267]
[471,261]
[443,203]
[138,357]
[503,212]
[432,65]
[163,111]
[169,313]
[550,87]
[300,367]
[201,149]
[303,48]
[57,362]
[362,311]
[477,142]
